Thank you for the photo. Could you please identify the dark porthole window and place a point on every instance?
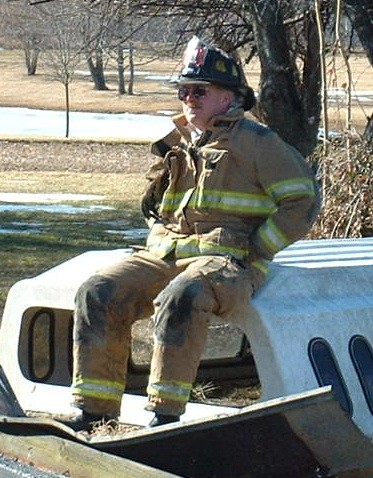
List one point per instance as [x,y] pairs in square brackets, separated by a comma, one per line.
[362,357]
[70,346]
[41,345]
[327,371]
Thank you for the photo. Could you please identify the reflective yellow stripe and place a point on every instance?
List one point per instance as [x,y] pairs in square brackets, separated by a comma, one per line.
[272,237]
[171,390]
[227,201]
[101,389]
[189,247]
[238,202]
[292,188]
[262,265]
[233,201]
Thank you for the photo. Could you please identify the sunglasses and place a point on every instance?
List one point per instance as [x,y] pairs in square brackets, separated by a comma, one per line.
[197,91]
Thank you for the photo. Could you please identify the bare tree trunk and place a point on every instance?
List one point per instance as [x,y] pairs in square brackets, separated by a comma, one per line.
[368,133]
[360,13]
[97,72]
[31,56]
[31,47]
[121,82]
[67,105]
[324,88]
[312,82]
[132,69]
[342,50]
[283,105]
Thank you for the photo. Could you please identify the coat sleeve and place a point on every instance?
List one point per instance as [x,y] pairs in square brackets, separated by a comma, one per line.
[157,175]
[289,181]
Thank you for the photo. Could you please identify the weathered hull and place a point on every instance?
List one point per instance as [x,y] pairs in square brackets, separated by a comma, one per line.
[310,326]
[305,435]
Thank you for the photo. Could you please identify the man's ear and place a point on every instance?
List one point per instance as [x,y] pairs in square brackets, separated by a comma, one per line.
[227,98]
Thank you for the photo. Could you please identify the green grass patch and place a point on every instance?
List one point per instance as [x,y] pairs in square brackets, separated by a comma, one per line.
[26,252]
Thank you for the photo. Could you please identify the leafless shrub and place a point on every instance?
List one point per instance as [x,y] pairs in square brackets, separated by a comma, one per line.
[347,184]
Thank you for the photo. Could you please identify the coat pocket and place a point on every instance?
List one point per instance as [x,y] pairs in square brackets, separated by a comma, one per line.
[225,241]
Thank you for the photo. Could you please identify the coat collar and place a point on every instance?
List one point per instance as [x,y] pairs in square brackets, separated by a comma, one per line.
[216,124]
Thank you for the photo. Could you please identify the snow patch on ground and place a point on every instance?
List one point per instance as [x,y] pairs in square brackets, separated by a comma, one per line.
[26,122]
[47,197]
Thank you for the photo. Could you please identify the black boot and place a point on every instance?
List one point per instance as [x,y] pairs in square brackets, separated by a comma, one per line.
[87,421]
[160,419]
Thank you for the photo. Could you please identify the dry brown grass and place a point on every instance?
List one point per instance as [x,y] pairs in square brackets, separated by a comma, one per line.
[41,91]
[112,170]
[127,187]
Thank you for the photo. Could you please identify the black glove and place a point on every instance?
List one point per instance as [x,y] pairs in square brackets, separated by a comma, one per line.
[152,197]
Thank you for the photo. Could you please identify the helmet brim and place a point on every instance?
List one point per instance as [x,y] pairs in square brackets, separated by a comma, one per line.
[193,81]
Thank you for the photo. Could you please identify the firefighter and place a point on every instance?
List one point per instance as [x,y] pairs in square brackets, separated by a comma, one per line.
[225,194]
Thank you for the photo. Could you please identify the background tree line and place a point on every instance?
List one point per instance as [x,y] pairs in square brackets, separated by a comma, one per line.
[285,35]
[291,39]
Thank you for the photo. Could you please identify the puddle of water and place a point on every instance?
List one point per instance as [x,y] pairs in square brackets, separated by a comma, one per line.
[25,202]
[52,208]
[47,197]
[21,230]
[36,225]
[46,202]
[131,233]
[119,223]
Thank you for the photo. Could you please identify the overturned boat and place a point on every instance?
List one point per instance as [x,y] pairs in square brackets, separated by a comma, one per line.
[308,339]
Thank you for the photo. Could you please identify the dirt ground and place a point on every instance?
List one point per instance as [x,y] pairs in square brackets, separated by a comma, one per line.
[74,157]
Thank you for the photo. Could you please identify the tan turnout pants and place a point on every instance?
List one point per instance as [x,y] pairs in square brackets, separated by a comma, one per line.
[182,295]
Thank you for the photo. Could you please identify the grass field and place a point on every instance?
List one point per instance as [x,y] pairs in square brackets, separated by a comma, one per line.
[32,240]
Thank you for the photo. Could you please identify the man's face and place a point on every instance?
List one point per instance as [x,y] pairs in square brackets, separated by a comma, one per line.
[202,102]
